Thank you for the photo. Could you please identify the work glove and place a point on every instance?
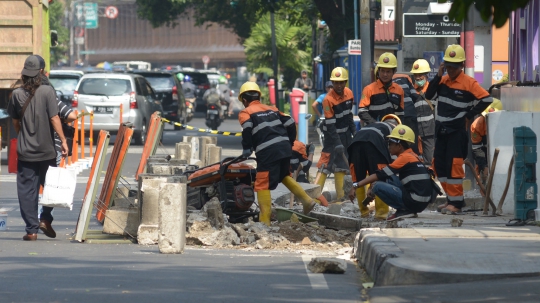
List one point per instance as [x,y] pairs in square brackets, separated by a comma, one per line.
[340,149]
[311,149]
[246,153]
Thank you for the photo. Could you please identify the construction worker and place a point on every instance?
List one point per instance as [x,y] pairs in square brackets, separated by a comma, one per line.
[408,187]
[460,98]
[479,139]
[424,109]
[302,155]
[410,97]
[271,135]
[338,130]
[368,153]
[382,97]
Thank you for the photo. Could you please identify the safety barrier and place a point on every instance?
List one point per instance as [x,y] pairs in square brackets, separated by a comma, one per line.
[153,137]
[112,176]
[202,130]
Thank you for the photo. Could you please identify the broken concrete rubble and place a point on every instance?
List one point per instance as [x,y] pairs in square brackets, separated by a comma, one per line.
[327,265]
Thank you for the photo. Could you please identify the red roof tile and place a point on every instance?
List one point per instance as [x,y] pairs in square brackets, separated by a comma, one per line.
[384,31]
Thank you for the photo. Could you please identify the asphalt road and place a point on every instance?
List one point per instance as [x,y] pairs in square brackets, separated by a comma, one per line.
[62,270]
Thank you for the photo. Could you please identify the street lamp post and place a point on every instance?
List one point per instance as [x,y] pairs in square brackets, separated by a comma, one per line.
[275,61]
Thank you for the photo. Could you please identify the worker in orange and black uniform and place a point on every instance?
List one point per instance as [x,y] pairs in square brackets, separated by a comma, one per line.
[271,135]
[479,139]
[382,97]
[368,153]
[338,129]
[302,155]
[460,98]
[425,109]
[410,97]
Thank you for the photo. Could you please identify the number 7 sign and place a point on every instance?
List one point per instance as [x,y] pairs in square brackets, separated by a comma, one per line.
[388,13]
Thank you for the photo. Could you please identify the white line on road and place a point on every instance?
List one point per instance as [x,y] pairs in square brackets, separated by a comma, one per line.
[317,280]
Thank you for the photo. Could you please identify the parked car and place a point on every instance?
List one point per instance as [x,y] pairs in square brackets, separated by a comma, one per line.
[103,93]
[133,65]
[169,90]
[65,82]
[201,81]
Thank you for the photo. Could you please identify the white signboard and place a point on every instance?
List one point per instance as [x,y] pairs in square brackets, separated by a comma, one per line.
[355,47]
[388,13]
[478,58]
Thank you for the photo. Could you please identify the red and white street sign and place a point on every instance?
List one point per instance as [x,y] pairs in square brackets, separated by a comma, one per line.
[206,59]
[111,12]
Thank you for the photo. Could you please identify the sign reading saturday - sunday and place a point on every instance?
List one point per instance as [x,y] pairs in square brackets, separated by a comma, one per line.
[424,25]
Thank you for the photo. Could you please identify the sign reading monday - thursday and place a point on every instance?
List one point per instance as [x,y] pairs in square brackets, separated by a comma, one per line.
[424,25]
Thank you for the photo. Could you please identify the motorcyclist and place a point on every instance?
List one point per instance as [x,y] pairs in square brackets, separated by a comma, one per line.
[223,87]
[189,93]
[214,96]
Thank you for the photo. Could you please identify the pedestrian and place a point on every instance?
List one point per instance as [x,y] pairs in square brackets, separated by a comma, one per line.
[410,97]
[304,83]
[406,183]
[479,139]
[271,134]
[302,155]
[35,123]
[317,104]
[460,99]
[425,109]
[338,129]
[368,153]
[382,97]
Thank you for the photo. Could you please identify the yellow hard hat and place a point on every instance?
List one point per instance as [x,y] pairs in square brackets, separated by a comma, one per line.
[494,106]
[420,66]
[454,53]
[387,60]
[248,87]
[339,74]
[403,132]
[391,116]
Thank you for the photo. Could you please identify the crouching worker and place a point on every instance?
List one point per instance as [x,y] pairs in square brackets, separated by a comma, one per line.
[271,135]
[368,153]
[302,155]
[414,189]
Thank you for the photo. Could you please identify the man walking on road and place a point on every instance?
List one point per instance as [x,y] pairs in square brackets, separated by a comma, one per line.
[34,112]
[338,129]
[303,82]
[461,98]
[271,135]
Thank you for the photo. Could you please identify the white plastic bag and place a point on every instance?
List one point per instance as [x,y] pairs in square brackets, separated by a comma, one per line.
[59,187]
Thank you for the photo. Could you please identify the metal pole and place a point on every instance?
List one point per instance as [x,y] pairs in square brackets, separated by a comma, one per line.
[372,17]
[365,34]
[302,122]
[344,30]
[275,62]
[71,29]
[469,42]
[355,19]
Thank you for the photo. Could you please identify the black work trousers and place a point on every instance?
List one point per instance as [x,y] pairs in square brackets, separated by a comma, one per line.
[365,160]
[30,175]
[428,145]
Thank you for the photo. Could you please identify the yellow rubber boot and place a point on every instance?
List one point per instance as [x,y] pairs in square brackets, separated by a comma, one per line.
[360,196]
[338,178]
[265,204]
[322,180]
[381,209]
[307,202]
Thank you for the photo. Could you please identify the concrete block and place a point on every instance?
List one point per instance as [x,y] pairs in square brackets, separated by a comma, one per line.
[178,162]
[172,217]
[182,151]
[330,195]
[337,222]
[147,234]
[158,168]
[149,199]
[213,154]
[121,221]
[334,209]
[281,195]
[214,213]
[178,169]
[195,148]
[121,192]
[347,184]
[203,147]
[327,265]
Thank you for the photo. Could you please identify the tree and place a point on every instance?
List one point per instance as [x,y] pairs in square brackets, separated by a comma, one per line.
[499,10]
[56,15]
[293,46]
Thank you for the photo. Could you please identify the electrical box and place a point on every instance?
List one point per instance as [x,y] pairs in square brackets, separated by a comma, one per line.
[525,187]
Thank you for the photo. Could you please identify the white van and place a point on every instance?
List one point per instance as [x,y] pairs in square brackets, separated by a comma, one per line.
[131,65]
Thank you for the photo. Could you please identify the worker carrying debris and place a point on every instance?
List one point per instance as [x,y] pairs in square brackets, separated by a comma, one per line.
[338,130]
[406,184]
[425,109]
[271,135]
[461,98]
[383,96]
[302,155]
[479,140]
[368,153]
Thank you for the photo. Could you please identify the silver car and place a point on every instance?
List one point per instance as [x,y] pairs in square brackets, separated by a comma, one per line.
[107,93]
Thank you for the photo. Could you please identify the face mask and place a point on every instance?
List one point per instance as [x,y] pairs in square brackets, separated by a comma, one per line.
[421,82]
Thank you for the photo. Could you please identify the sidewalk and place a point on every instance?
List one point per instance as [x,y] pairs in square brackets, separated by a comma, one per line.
[430,251]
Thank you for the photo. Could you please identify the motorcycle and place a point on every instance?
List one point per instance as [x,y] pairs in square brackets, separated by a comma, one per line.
[190,108]
[213,120]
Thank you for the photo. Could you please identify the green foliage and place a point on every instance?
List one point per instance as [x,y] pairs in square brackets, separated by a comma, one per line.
[265,95]
[293,46]
[56,15]
[497,10]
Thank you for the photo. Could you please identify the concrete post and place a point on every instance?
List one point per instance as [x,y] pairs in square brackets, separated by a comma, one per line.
[172,217]
[213,154]
[194,150]
[182,151]
[302,122]
[204,141]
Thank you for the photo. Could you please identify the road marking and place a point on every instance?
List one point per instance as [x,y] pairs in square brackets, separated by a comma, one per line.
[317,280]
